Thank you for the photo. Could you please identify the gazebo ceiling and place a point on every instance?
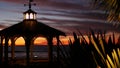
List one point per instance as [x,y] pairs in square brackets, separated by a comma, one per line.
[31,27]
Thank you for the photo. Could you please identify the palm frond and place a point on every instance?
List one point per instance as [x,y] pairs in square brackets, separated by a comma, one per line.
[112,7]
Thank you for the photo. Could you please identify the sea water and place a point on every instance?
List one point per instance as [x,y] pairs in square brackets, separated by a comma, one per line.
[37,52]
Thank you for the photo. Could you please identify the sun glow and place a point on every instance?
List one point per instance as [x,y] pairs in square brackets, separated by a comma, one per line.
[40,41]
[20,41]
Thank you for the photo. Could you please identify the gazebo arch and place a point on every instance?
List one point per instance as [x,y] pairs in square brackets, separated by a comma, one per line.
[40,40]
[39,45]
[20,41]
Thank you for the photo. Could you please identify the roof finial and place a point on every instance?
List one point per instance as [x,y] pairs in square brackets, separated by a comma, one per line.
[30,4]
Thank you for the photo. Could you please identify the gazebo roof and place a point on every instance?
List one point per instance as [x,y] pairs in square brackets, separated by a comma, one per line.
[30,11]
[31,27]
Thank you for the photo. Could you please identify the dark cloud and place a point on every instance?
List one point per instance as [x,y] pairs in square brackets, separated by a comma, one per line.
[12,20]
[14,1]
[58,4]
[66,15]
[77,15]
[11,10]
[82,26]
[61,4]
[2,26]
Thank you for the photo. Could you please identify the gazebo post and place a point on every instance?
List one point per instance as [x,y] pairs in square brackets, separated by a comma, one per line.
[12,48]
[6,50]
[1,49]
[58,53]
[27,44]
[50,49]
[31,50]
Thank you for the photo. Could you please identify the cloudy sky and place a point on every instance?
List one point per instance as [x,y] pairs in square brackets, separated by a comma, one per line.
[66,15]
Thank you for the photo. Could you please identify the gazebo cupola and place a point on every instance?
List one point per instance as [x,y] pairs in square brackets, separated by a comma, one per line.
[30,14]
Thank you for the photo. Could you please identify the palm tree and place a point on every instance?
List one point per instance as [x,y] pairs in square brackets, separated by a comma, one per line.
[112,7]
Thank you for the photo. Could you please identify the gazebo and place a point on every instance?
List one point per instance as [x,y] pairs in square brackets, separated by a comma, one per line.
[29,29]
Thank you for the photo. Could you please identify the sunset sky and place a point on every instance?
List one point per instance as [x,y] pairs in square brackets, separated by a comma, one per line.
[66,15]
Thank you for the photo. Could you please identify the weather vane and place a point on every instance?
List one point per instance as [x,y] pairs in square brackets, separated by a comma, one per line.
[30,4]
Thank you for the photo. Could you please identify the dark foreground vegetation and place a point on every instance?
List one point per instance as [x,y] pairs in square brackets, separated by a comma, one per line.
[99,52]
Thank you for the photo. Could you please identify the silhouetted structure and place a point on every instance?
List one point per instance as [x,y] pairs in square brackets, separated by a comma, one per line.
[29,29]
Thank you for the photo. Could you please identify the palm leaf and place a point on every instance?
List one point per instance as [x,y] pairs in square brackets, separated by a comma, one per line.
[112,7]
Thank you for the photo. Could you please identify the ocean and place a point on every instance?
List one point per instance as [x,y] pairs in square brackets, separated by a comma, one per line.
[38,51]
